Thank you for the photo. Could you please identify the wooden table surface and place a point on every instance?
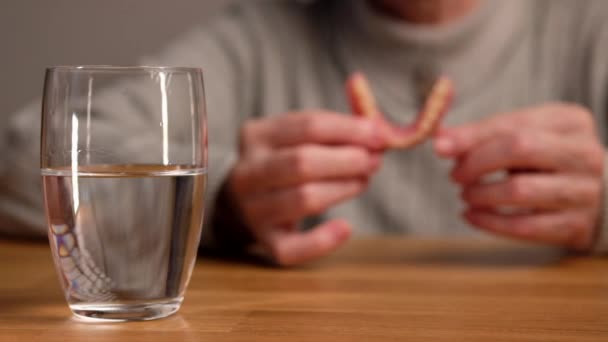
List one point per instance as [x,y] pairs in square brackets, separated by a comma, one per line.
[372,290]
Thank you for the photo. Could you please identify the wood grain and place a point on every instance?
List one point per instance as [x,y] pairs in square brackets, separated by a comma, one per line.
[387,289]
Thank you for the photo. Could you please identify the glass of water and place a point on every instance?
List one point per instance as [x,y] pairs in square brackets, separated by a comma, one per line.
[123,159]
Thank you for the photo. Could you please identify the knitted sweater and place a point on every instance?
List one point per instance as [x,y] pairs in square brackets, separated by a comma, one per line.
[269,58]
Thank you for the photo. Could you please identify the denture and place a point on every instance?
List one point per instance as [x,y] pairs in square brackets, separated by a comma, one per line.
[363,104]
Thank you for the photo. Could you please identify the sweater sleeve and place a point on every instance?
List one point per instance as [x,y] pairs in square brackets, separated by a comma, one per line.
[601,243]
[598,99]
[226,52]
[220,47]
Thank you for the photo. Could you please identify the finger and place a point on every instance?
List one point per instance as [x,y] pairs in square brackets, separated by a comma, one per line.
[526,149]
[451,142]
[564,228]
[292,248]
[293,204]
[314,128]
[303,164]
[558,118]
[535,191]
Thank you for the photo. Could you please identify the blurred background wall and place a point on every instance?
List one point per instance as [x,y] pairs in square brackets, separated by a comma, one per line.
[38,33]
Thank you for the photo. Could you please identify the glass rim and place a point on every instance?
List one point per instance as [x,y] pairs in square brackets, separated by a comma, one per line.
[102,67]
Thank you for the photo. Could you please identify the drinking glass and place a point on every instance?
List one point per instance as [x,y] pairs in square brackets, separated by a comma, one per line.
[123,162]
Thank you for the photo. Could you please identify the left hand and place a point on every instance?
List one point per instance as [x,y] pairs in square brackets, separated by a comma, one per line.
[553,161]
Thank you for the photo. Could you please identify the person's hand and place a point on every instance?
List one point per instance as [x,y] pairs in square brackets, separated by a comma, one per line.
[553,161]
[296,165]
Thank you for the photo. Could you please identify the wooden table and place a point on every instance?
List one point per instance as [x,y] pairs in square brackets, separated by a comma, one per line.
[372,290]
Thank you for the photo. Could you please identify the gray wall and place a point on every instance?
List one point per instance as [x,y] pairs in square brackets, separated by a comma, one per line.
[38,33]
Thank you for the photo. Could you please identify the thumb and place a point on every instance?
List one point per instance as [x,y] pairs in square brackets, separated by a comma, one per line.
[294,247]
[452,142]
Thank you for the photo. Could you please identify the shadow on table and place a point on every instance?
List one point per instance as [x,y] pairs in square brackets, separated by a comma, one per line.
[461,253]
[237,257]
[491,256]
[500,257]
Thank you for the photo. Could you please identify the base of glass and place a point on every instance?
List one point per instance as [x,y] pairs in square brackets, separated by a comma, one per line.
[111,312]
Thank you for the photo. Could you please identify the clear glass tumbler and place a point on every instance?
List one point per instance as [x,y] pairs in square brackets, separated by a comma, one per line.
[123,162]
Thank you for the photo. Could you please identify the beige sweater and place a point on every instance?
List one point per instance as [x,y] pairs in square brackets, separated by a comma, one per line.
[264,59]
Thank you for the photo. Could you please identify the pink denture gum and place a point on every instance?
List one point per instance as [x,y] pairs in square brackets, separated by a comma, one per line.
[438,101]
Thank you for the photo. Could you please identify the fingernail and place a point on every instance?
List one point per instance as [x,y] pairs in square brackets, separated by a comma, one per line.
[374,162]
[463,194]
[377,136]
[444,145]
[466,214]
[341,231]
[456,176]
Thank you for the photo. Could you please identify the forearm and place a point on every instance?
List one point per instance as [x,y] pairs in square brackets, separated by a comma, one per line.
[226,231]
[601,237]
[223,230]
[21,211]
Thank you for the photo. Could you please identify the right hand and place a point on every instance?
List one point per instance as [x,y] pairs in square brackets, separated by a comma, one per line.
[296,165]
